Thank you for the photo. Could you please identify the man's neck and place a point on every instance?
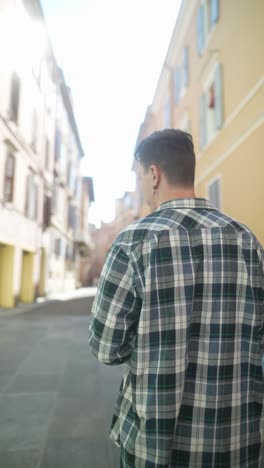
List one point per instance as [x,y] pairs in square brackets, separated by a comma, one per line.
[173,194]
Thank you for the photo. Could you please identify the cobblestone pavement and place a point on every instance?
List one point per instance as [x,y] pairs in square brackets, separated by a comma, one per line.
[56,400]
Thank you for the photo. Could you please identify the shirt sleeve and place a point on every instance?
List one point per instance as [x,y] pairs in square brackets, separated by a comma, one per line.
[260,253]
[115,310]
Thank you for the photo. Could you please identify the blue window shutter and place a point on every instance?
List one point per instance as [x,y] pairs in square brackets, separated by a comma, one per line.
[186,66]
[214,11]
[167,114]
[214,193]
[177,84]
[200,29]
[57,144]
[203,126]
[218,97]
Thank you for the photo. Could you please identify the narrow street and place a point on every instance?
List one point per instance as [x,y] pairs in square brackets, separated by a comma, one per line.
[56,400]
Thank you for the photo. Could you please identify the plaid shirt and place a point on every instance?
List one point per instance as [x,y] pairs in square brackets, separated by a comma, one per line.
[180,301]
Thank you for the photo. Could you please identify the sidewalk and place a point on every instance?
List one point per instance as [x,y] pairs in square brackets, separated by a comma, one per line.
[56,400]
[53,298]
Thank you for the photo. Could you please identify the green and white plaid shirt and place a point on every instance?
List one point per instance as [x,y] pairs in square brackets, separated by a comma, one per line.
[181,302]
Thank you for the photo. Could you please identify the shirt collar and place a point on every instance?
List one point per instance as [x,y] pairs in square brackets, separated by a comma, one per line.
[187,203]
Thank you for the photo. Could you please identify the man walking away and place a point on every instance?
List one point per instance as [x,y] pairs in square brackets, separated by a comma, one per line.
[180,302]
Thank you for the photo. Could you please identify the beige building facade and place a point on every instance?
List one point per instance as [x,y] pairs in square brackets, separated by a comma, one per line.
[125,214]
[40,151]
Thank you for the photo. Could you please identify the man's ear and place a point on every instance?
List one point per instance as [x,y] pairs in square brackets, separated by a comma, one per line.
[155,173]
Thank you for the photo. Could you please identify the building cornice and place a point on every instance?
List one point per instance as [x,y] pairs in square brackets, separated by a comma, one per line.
[184,18]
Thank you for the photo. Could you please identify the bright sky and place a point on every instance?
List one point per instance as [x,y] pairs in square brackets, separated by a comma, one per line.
[111,53]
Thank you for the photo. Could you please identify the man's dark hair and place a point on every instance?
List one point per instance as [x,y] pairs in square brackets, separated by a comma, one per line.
[173,152]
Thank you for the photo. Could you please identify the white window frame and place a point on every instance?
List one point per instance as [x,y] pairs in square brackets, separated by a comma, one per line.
[211,133]
[209,28]
[179,94]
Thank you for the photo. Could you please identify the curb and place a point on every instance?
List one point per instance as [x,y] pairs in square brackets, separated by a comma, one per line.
[23,308]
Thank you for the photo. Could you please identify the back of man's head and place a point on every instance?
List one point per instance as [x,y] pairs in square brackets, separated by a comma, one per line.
[173,152]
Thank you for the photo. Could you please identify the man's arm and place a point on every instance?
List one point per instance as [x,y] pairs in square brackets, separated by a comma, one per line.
[115,310]
[260,253]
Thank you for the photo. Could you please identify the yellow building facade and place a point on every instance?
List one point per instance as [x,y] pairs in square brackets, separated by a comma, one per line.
[212,85]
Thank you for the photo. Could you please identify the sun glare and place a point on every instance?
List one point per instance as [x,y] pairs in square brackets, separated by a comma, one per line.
[26,45]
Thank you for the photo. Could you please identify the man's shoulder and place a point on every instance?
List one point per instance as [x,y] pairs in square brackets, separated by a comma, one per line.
[236,225]
[156,223]
[142,229]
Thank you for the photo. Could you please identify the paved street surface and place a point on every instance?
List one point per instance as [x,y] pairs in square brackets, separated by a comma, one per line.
[56,400]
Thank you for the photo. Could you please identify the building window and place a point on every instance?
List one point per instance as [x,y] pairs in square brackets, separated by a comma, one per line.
[78,188]
[167,114]
[211,15]
[214,193]
[72,217]
[34,129]
[203,121]
[214,11]
[201,29]
[70,254]
[73,178]
[47,153]
[61,204]
[58,247]
[47,211]
[55,197]
[211,106]
[207,17]
[181,76]
[14,97]
[57,144]
[90,189]
[69,170]
[177,84]
[31,205]
[9,177]
[185,68]
[63,158]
